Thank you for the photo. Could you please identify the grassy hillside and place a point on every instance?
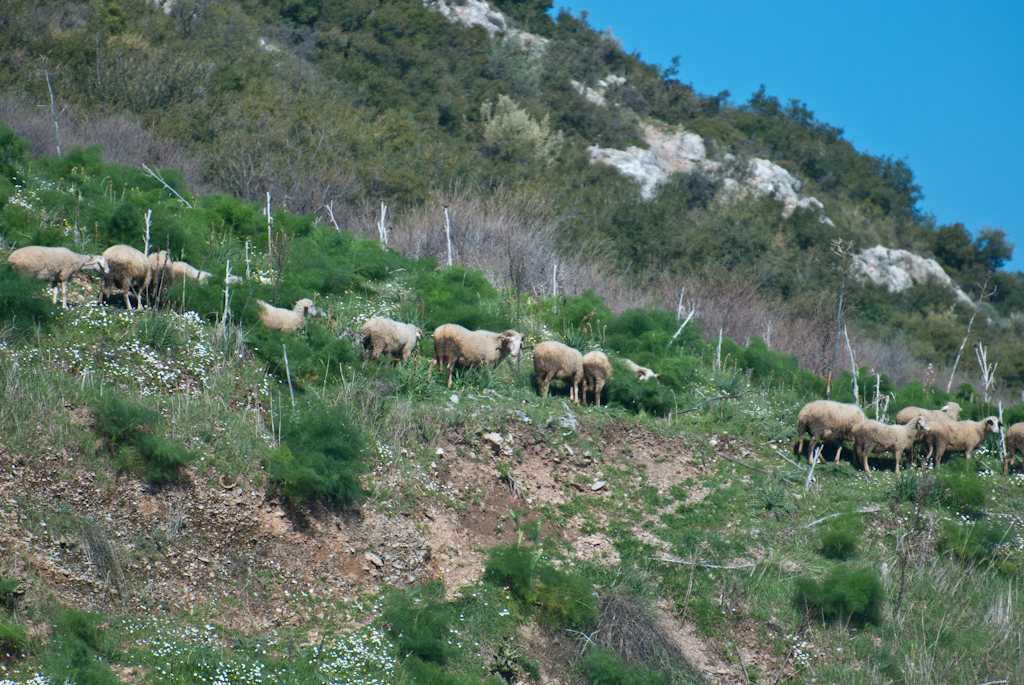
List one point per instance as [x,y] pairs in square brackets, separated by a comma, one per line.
[170,514]
[347,104]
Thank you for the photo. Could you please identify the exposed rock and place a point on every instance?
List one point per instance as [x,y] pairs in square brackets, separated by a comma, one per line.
[639,164]
[480,13]
[897,270]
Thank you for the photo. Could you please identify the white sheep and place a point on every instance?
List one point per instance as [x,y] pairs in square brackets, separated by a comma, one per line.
[129,271]
[827,421]
[186,270]
[596,370]
[455,346]
[55,265]
[1014,446]
[385,336]
[949,412]
[958,436]
[874,437]
[278,319]
[554,361]
[642,372]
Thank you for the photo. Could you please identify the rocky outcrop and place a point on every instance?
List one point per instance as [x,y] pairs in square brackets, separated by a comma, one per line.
[480,13]
[596,95]
[897,270]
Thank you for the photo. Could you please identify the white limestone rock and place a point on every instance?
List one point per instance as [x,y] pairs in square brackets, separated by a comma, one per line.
[639,164]
[898,270]
[480,13]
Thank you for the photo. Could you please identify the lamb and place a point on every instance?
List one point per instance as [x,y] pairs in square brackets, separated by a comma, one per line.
[55,265]
[959,436]
[384,336]
[161,269]
[596,370]
[1014,445]
[554,361]
[826,420]
[278,319]
[949,412]
[642,372]
[455,346]
[129,271]
[874,437]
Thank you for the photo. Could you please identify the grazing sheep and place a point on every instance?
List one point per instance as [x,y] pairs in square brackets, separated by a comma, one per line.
[958,436]
[278,319]
[826,420]
[596,370]
[949,412]
[384,336]
[55,265]
[129,271]
[1014,446]
[161,278]
[186,270]
[642,372]
[455,346]
[554,361]
[875,437]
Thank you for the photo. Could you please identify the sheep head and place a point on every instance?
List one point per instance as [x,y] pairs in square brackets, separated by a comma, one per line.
[512,341]
[96,263]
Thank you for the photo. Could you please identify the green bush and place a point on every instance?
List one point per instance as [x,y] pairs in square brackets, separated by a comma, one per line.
[320,456]
[23,303]
[458,295]
[12,639]
[840,536]
[604,667]
[845,595]
[420,622]
[134,439]
[429,673]
[983,542]
[961,488]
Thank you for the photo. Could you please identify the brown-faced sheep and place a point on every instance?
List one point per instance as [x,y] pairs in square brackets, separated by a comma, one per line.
[129,271]
[642,372]
[278,319]
[385,336]
[455,346]
[554,361]
[596,370]
[875,437]
[958,436]
[1014,446]
[55,265]
[827,421]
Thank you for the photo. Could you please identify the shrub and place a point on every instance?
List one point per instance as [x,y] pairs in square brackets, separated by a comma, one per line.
[961,488]
[511,133]
[12,638]
[320,456]
[604,667]
[420,671]
[845,595]
[840,536]
[983,542]
[132,440]
[23,304]
[420,622]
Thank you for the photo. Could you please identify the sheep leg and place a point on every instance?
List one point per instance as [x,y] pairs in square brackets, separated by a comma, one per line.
[451,367]
[840,449]
[63,293]
[598,387]
[898,456]
[810,449]
[430,366]
[584,392]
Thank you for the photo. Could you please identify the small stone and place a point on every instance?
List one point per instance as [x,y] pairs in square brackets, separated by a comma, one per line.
[373,558]
[598,485]
[439,451]
[494,439]
[454,399]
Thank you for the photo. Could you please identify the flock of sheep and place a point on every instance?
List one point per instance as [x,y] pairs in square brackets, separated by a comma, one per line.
[940,431]
[456,347]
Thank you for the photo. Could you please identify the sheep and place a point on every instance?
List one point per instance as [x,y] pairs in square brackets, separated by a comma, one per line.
[554,361]
[278,319]
[596,370]
[958,436]
[186,270]
[1014,445]
[642,372]
[826,420]
[55,265]
[384,336]
[161,269]
[455,346]
[874,437]
[949,412]
[129,271]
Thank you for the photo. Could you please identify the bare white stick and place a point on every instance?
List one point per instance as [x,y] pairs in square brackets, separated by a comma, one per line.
[689,316]
[679,307]
[247,264]
[53,110]
[227,293]
[988,371]
[554,280]
[718,355]
[330,213]
[156,175]
[270,231]
[1002,439]
[448,233]
[853,366]
[288,372]
[381,229]
[810,471]
[878,386]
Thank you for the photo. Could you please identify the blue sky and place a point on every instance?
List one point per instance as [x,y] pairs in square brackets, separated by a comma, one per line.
[939,84]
